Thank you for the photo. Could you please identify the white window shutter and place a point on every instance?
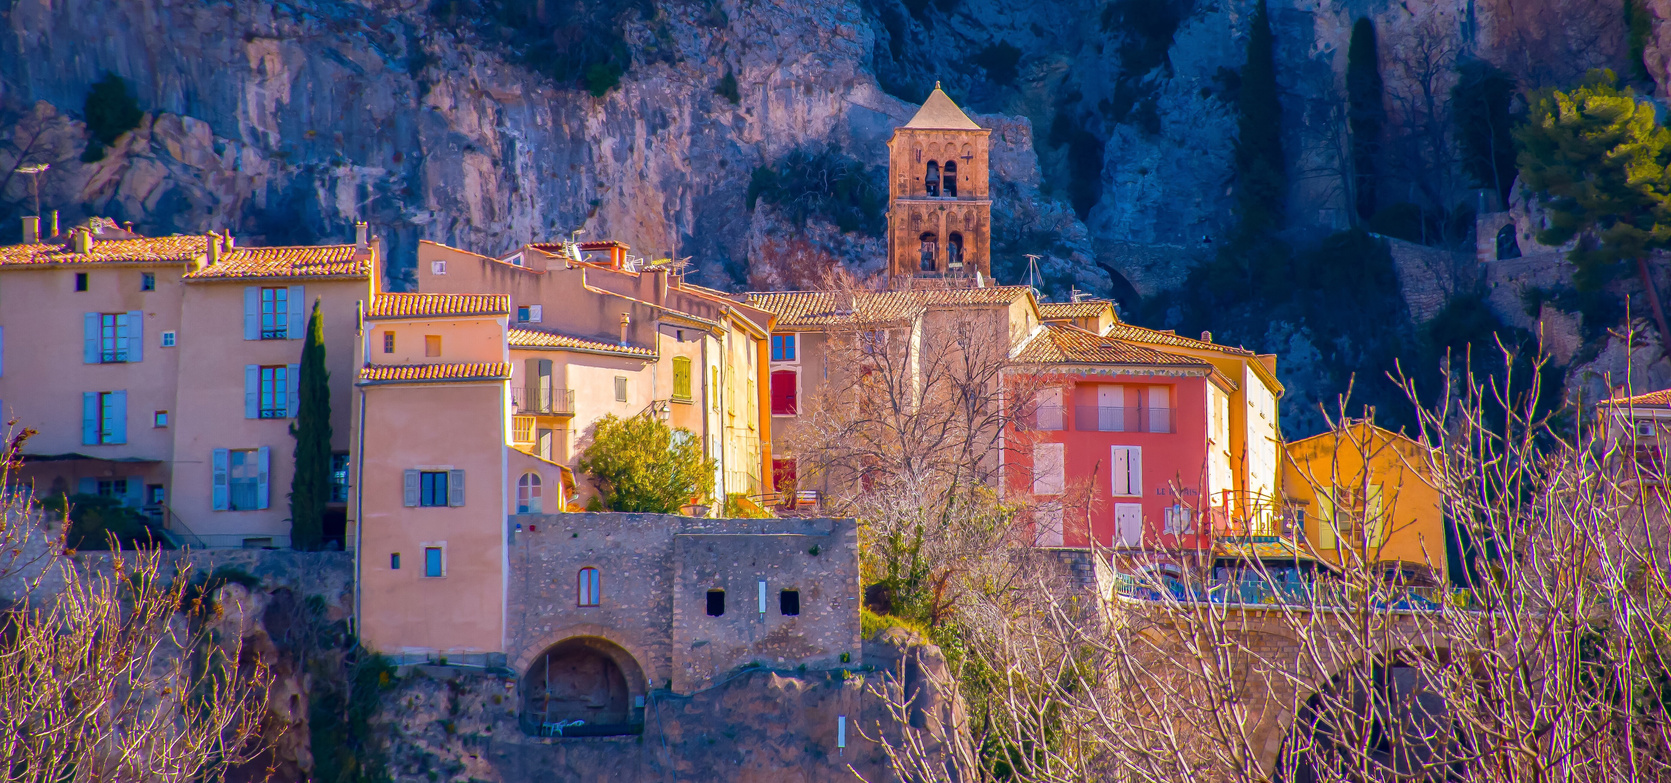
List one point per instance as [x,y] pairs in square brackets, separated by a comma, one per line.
[116,429]
[534,313]
[455,487]
[252,391]
[219,494]
[90,418]
[252,312]
[263,483]
[90,338]
[411,488]
[293,394]
[295,323]
[136,335]
[1119,472]
[1047,468]
[1135,461]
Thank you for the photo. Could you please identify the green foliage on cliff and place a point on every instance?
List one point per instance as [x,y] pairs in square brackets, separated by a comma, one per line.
[345,748]
[1000,61]
[1261,174]
[310,487]
[1639,26]
[641,465]
[827,184]
[580,43]
[1480,110]
[94,519]
[111,110]
[1365,113]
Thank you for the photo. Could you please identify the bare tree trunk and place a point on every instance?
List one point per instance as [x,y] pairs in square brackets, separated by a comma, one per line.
[1653,302]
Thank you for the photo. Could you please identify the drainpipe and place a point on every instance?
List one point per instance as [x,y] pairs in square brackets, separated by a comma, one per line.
[359,516]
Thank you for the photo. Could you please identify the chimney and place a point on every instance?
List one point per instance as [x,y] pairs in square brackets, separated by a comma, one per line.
[81,239]
[31,229]
[362,240]
[661,274]
[1206,337]
[227,241]
[214,248]
[54,223]
[618,257]
[626,321]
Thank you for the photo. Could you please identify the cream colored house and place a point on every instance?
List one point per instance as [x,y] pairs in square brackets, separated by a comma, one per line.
[163,371]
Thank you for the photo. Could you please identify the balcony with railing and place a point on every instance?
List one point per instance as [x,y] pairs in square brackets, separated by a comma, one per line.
[1291,590]
[1047,418]
[543,402]
[1100,418]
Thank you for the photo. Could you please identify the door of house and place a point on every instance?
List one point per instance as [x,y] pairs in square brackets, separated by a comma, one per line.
[1128,524]
[1111,408]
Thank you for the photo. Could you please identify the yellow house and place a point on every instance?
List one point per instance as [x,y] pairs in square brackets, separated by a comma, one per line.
[1367,494]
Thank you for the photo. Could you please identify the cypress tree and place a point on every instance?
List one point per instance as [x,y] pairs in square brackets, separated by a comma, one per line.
[1365,113]
[310,487]
[1261,177]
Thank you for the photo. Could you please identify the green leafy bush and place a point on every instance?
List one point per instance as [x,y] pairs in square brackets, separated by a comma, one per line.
[95,518]
[111,110]
[1000,61]
[825,184]
[580,43]
[641,465]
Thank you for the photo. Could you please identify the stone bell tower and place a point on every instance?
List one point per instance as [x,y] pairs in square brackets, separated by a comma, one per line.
[939,212]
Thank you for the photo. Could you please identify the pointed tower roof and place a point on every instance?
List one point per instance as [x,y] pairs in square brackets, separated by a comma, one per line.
[939,113]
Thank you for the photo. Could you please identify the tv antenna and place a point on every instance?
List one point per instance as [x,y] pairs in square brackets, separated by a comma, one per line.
[1033,271]
[34,171]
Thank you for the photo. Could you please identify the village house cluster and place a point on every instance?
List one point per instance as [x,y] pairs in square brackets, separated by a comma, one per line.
[163,372]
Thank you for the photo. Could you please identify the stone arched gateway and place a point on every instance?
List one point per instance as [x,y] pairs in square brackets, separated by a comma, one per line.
[583,686]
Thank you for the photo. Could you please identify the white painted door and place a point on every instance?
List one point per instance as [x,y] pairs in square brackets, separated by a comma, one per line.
[1126,471]
[1128,524]
[1111,408]
[1160,409]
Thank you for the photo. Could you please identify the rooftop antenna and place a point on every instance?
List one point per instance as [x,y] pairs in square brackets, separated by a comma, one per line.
[1033,271]
[1075,295]
[34,171]
[574,244]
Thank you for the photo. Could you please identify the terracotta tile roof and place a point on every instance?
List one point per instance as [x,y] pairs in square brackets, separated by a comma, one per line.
[1647,399]
[176,249]
[301,261]
[423,305]
[1138,334]
[535,338]
[1092,308]
[828,308]
[939,112]
[475,371]
[1066,344]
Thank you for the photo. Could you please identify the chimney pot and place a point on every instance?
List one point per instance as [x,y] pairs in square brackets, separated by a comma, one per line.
[54,223]
[626,321]
[227,241]
[214,241]
[32,229]
[81,240]
[362,232]
[1206,337]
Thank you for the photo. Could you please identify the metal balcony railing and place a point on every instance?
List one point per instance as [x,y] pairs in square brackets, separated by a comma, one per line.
[551,402]
[1252,590]
[1098,418]
[1048,418]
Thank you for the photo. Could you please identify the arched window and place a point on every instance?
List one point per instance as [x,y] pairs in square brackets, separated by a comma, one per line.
[954,250]
[588,589]
[528,494]
[930,247]
[932,180]
[1507,246]
[950,180]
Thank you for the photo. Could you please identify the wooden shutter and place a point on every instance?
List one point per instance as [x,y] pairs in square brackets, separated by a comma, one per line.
[548,395]
[785,401]
[295,322]
[263,476]
[534,313]
[1047,469]
[531,385]
[252,312]
[136,335]
[681,377]
[90,418]
[293,394]
[90,338]
[1375,525]
[1135,463]
[116,426]
[1325,520]
[252,391]
[411,488]
[220,494]
[455,487]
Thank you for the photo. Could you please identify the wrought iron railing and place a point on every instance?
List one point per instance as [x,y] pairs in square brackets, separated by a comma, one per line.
[1101,418]
[1291,593]
[1048,418]
[554,402]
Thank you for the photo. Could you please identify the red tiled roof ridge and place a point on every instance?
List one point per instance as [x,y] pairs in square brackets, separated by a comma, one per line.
[464,371]
[1059,343]
[526,337]
[1656,397]
[417,304]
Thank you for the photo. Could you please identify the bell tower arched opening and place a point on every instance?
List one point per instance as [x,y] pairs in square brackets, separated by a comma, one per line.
[948,180]
[954,251]
[931,181]
[928,248]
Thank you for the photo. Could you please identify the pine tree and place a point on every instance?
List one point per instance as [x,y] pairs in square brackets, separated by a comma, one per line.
[1365,113]
[1600,162]
[1480,106]
[310,488]
[1261,176]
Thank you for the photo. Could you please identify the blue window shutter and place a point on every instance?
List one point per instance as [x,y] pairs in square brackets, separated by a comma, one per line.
[117,428]
[87,486]
[252,391]
[136,492]
[412,488]
[220,496]
[90,418]
[136,335]
[295,324]
[263,497]
[293,394]
[90,341]
[455,487]
[252,312]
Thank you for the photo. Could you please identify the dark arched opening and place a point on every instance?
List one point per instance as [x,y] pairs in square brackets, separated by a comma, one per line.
[1507,245]
[949,179]
[929,246]
[954,250]
[1387,719]
[932,179]
[584,686]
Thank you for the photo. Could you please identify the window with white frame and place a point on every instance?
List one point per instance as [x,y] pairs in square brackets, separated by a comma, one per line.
[528,494]
[784,348]
[275,313]
[435,562]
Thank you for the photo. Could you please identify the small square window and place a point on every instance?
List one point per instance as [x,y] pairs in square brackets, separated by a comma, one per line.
[437,267]
[716,603]
[154,494]
[1644,429]
[147,281]
[432,345]
[783,347]
[522,314]
[168,339]
[388,342]
[394,561]
[620,388]
[160,419]
[434,562]
[81,281]
[789,602]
